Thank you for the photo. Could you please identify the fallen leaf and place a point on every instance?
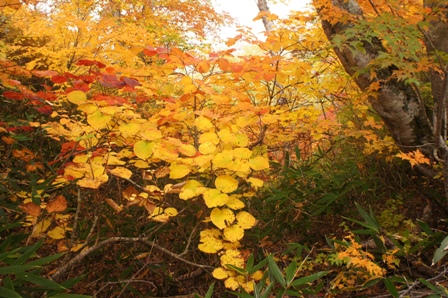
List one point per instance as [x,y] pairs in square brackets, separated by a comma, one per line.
[59,204]
[31,208]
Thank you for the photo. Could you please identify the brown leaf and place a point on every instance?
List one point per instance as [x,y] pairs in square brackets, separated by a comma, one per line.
[62,246]
[162,172]
[114,205]
[130,192]
[31,208]
[149,206]
[59,204]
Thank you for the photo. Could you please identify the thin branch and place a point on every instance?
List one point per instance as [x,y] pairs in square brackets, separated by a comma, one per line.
[79,258]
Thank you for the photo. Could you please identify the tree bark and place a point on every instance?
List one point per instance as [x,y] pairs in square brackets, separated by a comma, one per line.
[397,103]
[413,123]
[263,7]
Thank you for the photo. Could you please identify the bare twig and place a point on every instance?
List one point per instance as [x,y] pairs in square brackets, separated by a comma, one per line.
[82,255]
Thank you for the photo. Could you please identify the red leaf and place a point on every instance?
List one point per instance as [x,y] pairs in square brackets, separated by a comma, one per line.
[130,81]
[46,109]
[141,98]
[70,76]
[168,99]
[13,95]
[87,78]
[83,62]
[47,96]
[150,51]
[44,73]
[58,79]
[236,67]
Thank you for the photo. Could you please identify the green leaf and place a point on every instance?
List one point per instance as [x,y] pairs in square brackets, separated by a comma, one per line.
[275,272]
[369,217]
[4,292]
[429,285]
[441,251]
[71,282]
[307,279]
[236,269]
[297,151]
[242,295]
[291,272]
[210,291]
[28,253]
[250,262]
[68,296]
[40,281]
[391,288]
[15,269]
[45,260]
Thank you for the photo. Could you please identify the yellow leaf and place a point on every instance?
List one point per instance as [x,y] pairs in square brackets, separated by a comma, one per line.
[179,170]
[241,140]
[186,80]
[214,198]
[255,182]
[223,159]
[222,218]
[210,242]
[220,273]
[211,247]
[231,283]
[259,163]
[129,129]
[226,184]
[87,108]
[171,211]
[187,150]
[191,189]
[41,227]
[233,233]
[111,110]
[207,148]
[141,164]
[245,220]
[143,149]
[226,136]
[77,97]
[93,183]
[209,137]
[57,233]
[232,257]
[235,203]
[81,158]
[242,153]
[112,160]
[203,123]
[150,134]
[97,120]
[121,172]
[190,88]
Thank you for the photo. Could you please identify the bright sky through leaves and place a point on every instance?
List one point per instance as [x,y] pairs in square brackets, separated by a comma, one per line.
[244,11]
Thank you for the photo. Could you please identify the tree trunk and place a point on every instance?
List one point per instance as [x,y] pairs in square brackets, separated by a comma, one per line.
[412,124]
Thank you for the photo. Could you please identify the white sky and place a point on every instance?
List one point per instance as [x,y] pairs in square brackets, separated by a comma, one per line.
[244,11]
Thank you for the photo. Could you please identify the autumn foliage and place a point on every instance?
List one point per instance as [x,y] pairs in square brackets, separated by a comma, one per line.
[120,127]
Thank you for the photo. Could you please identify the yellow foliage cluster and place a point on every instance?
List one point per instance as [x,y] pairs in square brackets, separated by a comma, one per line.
[360,265]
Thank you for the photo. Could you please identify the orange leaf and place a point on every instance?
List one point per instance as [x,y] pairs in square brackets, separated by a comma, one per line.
[59,204]
[203,66]
[31,208]
[223,64]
